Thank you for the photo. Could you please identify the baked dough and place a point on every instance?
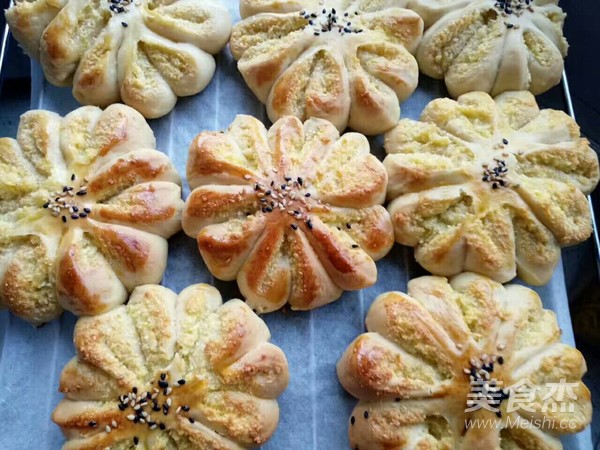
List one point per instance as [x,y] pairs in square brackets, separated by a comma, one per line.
[144,53]
[412,370]
[493,186]
[86,207]
[293,213]
[172,372]
[493,46]
[348,62]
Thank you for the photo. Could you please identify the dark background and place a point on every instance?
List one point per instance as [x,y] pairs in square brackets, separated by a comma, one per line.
[583,70]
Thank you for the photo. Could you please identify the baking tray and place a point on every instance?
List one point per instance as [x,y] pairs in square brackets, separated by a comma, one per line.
[314,408]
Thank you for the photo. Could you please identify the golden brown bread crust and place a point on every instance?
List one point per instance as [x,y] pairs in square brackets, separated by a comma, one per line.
[123,200]
[143,53]
[293,213]
[346,62]
[212,375]
[478,46]
[493,186]
[408,370]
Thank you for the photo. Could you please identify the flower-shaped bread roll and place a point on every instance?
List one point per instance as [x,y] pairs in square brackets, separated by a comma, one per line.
[493,186]
[86,207]
[144,53]
[463,364]
[348,62]
[293,213]
[493,45]
[172,372]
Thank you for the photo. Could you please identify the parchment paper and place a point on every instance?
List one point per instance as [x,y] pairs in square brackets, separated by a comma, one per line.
[314,410]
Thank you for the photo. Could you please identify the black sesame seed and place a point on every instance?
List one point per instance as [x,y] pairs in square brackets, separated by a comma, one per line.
[397,399]
[366,414]
[499,413]
[134,390]
[309,224]
[192,420]
[300,181]
[87,210]
[122,407]
[73,177]
[500,360]
[352,420]
[505,141]
[348,226]
[124,24]
[307,194]
[82,193]
[186,408]
[163,384]
[136,440]
[181,382]
[46,205]
[287,178]
[165,409]
[162,426]
[92,423]
[355,246]
[294,227]
[64,219]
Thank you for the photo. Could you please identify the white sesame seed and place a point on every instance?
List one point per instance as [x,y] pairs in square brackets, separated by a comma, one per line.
[114,424]
[142,421]
[501,347]
[154,395]
[136,407]
[247,177]
[169,390]
[169,401]
[144,414]
[178,410]
[130,417]
[459,346]
[466,371]
[152,427]
[107,429]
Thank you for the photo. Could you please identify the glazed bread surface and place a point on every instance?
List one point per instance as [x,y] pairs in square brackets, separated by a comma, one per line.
[493,186]
[292,213]
[349,62]
[143,53]
[493,46]
[463,364]
[86,208]
[171,371]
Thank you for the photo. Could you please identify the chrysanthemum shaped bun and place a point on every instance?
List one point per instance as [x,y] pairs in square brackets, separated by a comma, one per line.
[348,62]
[293,213]
[176,372]
[455,365]
[86,209]
[140,52]
[493,186]
[493,46]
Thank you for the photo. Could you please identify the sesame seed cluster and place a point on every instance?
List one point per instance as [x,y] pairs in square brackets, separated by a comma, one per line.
[484,385]
[513,8]
[63,203]
[329,20]
[146,408]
